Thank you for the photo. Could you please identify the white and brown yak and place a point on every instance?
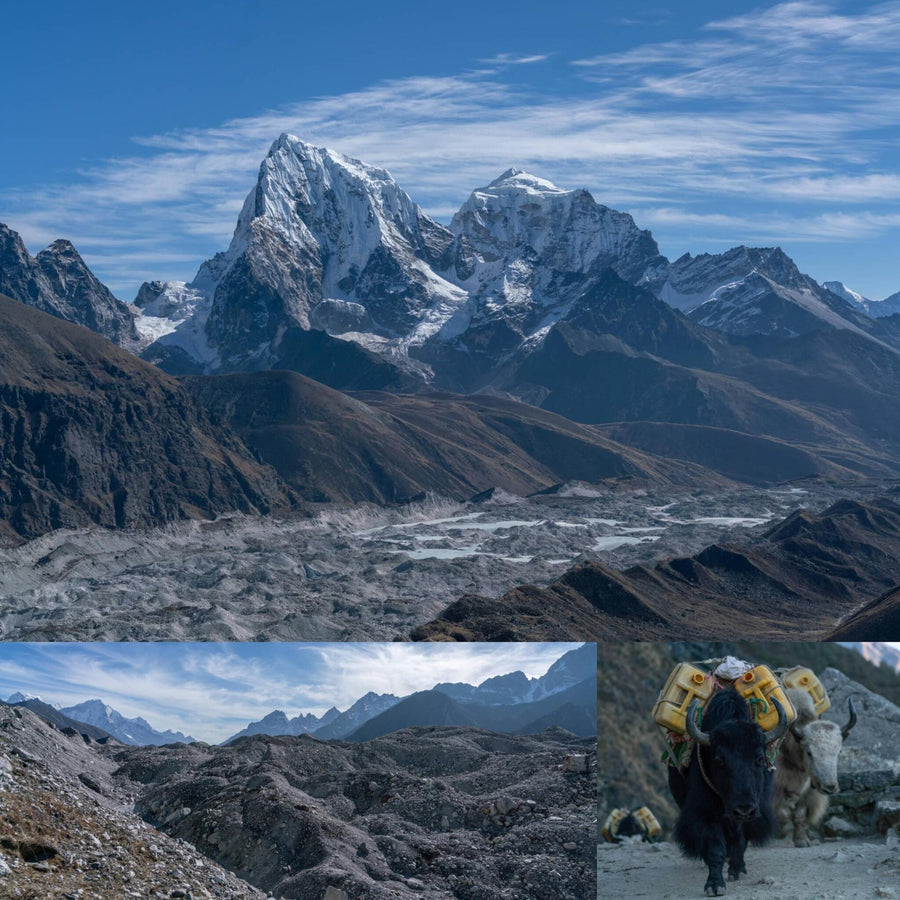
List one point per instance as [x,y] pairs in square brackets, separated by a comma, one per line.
[806,769]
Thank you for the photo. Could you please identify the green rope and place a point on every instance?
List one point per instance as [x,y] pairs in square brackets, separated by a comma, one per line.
[754,704]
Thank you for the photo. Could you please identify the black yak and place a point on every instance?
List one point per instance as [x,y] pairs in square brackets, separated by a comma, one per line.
[725,793]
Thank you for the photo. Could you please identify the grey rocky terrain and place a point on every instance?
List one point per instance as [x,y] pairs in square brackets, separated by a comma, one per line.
[65,832]
[869,764]
[359,572]
[427,812]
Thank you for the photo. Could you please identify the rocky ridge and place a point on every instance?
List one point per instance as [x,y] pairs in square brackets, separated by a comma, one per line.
[57,281]
[64,833]
[748,291]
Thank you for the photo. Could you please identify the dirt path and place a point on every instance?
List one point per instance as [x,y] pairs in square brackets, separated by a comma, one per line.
[842,870]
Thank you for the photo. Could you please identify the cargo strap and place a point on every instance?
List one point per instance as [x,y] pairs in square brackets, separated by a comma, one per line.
[711,786]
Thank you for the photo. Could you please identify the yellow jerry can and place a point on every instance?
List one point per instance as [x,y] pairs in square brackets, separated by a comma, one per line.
[649,823]
[759,687]
[805,679]
[685,683]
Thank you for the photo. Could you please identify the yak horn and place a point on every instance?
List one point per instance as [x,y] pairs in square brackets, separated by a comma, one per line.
[781,727]
[852,721]
[700,737]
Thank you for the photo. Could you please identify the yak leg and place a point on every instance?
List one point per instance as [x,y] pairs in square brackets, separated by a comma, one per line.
[737,844]
[714,857]
[801,838]
[785,804]
[810,809]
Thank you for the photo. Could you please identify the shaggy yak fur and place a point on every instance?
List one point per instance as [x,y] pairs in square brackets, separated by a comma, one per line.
[807,768]
[716,826]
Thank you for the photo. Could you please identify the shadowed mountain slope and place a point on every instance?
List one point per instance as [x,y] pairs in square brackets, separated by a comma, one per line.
[385,448]
[798,579]
[743,457]
[880,618]
[91,434]
[572,709]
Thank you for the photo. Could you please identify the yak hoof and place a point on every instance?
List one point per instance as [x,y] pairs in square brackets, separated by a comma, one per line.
[802,842]
[714,889]
[735,873]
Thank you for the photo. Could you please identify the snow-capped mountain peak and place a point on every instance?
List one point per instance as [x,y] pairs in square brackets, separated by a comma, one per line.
[517,179]
[300,189]
[135,731]
[323,241]
[521,218]
[889,306]
[848,294]
[21,697]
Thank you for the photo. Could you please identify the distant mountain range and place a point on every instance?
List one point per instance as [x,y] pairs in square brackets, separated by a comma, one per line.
[546,326]
[330,243]
[99,721]
[880,654]
[135,731]
[565,696]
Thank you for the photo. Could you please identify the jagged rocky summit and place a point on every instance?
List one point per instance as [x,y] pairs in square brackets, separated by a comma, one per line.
[58,281]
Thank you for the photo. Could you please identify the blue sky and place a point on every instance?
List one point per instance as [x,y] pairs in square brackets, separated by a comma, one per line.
[211,690]
[136,130]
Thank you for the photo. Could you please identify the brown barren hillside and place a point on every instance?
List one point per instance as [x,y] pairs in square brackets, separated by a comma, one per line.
[91,434]
[797,580]
[385,448]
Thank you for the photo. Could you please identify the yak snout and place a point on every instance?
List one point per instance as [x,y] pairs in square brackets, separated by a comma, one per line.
[744,812]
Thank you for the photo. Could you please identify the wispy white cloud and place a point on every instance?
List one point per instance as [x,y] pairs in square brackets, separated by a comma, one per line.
[762,228]
[213,690]
[796,105]
[510,59]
